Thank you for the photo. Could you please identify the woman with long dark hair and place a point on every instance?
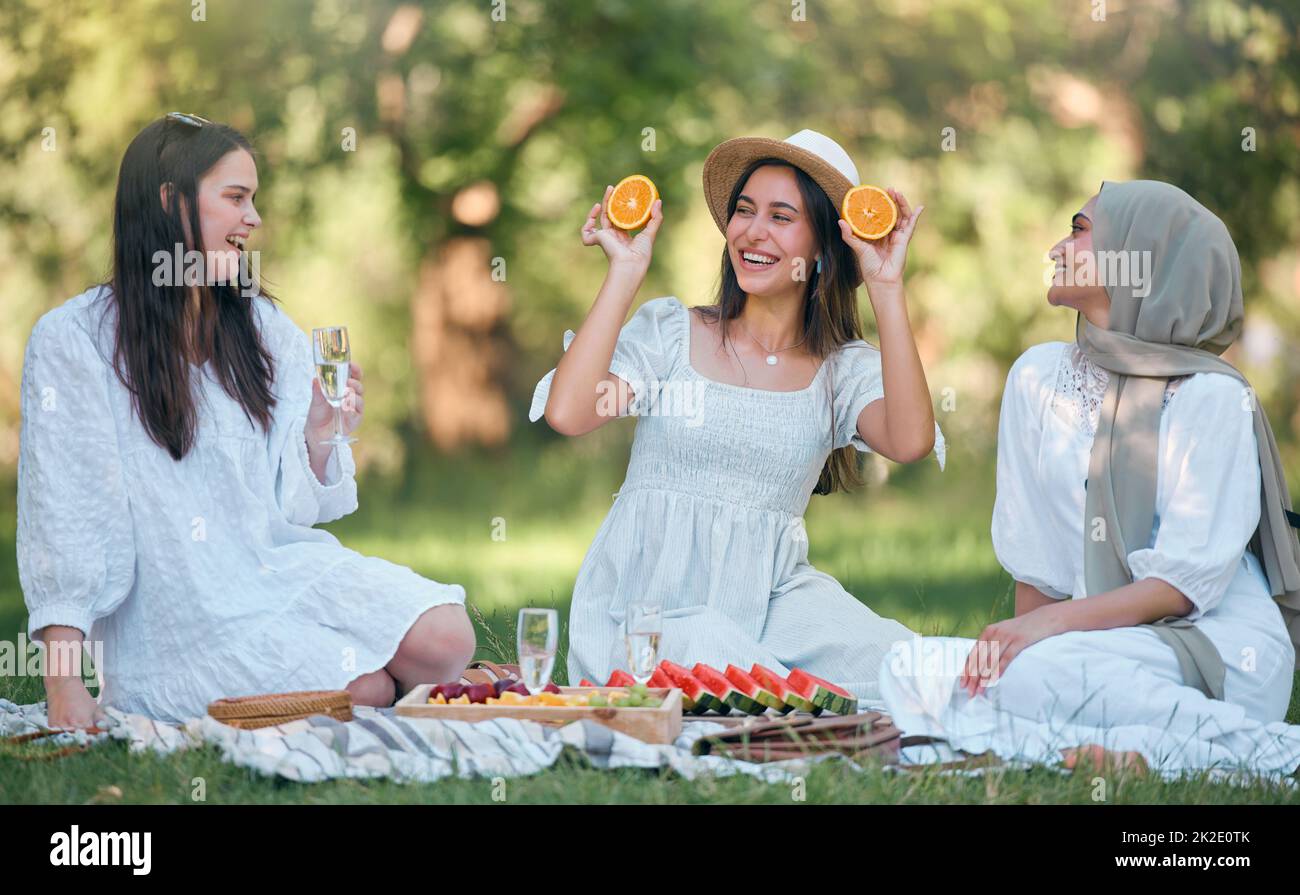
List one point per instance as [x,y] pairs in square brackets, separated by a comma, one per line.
[173,461]
[747,408]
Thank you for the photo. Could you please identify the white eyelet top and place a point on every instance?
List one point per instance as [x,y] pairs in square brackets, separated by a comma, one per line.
[1207,499]
[202,577]
[1081,390]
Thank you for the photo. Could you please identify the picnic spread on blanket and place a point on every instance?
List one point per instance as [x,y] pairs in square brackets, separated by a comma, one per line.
[383,744]
[759,724]
[490,724]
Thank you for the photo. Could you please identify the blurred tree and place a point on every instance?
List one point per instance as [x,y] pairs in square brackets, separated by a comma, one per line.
[436,158]
[463,89]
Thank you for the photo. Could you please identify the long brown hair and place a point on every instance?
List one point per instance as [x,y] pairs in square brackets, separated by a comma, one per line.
[152,348]
[830,302]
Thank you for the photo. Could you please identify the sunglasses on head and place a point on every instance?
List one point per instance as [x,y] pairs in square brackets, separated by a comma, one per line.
[192,120]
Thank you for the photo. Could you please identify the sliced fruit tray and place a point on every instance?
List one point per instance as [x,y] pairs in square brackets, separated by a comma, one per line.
[658,718]
[706,690]
[510,691]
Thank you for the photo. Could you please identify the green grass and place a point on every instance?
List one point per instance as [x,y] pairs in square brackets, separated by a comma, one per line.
[88,777]
[916,548]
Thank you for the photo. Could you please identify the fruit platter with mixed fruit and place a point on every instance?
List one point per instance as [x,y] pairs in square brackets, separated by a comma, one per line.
[513,692]
[705,689]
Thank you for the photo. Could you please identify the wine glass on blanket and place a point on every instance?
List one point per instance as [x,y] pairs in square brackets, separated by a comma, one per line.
[333,365]
[537,635]
[643,627]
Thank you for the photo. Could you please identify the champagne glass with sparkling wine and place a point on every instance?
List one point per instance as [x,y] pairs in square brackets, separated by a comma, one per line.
[333,367]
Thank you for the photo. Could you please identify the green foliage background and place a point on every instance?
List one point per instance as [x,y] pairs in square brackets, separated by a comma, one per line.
[548,106]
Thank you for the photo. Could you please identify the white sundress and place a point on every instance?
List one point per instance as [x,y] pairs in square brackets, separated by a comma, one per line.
[709,520]
[202,578]
[1120,688]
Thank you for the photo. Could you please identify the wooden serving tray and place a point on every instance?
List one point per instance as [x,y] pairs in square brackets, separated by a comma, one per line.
[650,725]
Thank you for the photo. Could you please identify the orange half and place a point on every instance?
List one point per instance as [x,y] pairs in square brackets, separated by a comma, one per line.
[870,211]
[629,204]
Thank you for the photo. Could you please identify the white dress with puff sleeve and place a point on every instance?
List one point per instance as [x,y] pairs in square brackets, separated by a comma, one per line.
[709,520]
[1121,688]
[200,578]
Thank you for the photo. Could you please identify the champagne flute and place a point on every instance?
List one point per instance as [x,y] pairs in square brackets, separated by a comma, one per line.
[643,627]
[333,368]
[537,635]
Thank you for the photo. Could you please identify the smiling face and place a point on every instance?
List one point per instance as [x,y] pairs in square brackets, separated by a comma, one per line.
[226,213]
[227,216]
[1075,282]
[769,237]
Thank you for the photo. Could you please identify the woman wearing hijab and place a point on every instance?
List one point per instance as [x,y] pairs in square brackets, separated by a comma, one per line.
[783,391]
[1136,470]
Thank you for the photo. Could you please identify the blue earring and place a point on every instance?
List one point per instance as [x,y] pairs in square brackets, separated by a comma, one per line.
[819,263]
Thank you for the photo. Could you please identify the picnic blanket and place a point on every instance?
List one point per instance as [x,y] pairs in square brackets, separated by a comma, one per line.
[378,743]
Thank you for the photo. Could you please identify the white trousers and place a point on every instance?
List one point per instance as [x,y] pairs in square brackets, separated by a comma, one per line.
[1120,689]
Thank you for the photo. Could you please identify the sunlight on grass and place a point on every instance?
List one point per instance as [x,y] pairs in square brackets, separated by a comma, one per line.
[916,548]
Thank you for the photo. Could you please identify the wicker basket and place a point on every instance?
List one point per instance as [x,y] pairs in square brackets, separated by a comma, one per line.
[252,712]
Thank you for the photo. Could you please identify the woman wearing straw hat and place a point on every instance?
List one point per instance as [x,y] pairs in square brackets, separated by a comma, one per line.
[1135,469]
[747,408]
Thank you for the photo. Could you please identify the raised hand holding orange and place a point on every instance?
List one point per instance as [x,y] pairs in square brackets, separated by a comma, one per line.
[621,247]
[881,259]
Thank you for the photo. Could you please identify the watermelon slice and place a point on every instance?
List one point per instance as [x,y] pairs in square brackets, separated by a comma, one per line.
[822,693]
[781,687]
[621,679]
[701,699]
[746,684]
[661,679]
[726,690]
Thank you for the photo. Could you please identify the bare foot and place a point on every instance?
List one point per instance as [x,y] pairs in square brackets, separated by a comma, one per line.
[1096,757]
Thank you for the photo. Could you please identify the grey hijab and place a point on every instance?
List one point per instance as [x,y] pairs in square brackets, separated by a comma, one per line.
[1177,321]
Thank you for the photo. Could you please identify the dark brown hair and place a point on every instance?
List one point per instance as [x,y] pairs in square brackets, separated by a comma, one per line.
[152,348]
[830,308]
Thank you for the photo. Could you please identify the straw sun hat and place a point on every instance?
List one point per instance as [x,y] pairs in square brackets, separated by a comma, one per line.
[820,157]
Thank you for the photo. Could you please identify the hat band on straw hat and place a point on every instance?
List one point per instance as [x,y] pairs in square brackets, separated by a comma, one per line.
[817,155]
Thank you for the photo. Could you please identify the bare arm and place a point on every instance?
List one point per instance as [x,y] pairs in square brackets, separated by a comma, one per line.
[1138,603]
[584,392]
[68,702]
[901,425]
[584,395]
[318,456]
[1029,598]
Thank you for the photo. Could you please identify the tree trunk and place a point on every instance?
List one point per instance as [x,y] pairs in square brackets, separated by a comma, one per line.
[460,345]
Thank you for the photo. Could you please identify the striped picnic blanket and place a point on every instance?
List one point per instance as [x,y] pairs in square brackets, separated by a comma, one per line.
[380,744]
